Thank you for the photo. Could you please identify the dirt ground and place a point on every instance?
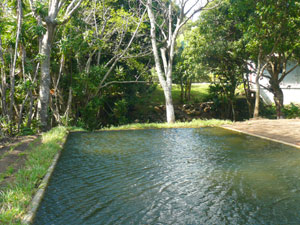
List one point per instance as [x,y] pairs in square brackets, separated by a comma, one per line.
[286,130]
[13,155]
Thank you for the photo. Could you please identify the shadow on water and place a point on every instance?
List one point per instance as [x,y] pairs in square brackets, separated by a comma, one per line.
[173,176]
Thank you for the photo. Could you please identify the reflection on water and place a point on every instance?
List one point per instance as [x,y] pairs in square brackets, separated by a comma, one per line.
[173,176]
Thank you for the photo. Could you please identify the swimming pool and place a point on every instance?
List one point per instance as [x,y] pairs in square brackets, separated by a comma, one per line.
[173,176]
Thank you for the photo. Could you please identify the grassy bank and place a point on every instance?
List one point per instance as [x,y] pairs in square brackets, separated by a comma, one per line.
[15,198]
[199,93]
[192,124]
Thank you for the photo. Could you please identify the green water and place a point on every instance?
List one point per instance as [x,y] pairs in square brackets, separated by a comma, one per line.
[173,176]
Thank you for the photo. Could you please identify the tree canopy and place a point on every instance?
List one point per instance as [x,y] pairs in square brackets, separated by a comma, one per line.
[86,63]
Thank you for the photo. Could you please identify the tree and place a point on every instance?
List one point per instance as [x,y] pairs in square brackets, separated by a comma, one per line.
[167,20]
[221,52]
[12,74]
[3,84]
[284,24]
[50,19]
[270,28]
[187,62]
[96,61]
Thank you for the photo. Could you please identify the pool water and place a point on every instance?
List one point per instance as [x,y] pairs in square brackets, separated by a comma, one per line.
[173,176]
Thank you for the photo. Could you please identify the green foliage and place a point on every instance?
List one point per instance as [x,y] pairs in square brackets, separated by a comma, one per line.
[270,31]
[217,45]
[82,54]
[291,111]
[267,111]
[188,68]
[120,111]
[219,95]
[5,125]
[27,131]
[221,52]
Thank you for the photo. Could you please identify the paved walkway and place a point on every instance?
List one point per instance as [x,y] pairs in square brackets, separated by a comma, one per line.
[283,130]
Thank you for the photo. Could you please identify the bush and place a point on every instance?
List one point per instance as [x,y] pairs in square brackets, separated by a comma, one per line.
[27,131]
[267,111]
[291,111]
[120,111]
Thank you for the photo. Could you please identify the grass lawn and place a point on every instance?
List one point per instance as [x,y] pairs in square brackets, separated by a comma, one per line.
[192,124]
[198,94]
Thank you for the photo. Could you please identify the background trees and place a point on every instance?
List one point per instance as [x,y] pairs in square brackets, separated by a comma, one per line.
[270,29]
[87,63]
[82,72]
[221,51]
[188,68]
[238,35]
[167,19]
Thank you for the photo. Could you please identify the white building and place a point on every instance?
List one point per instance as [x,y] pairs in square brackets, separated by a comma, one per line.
[290,86]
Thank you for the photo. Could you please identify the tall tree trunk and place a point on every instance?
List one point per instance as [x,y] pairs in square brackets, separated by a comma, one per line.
[23,53]
[278,98]
[181,90]
[248,94]
[21,112]
[31,104]
[170,113]
[30,109]
[278,74]
[69,104]
[257,97]
[259,72]
[12,74]
[189,83]
[45,81]
[169,106]
[3,81]
[165,77]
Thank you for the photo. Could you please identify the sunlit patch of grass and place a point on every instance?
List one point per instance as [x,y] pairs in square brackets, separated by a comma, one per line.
[76,129]
[199,93]
[15,198]
[192,124]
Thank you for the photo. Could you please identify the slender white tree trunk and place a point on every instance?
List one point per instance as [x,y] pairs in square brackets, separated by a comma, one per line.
[3,81]
[169,106]
[45,79]
[12,74]
[69,104]
[165,77]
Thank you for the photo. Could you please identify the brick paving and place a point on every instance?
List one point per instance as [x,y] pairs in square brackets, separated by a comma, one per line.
[285,130]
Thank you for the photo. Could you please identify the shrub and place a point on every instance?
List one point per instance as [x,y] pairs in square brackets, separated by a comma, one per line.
[291,111]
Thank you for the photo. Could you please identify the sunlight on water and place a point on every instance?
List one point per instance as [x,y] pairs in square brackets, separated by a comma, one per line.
[173,176]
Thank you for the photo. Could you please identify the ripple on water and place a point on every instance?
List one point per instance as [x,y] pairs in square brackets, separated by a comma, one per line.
[173,176]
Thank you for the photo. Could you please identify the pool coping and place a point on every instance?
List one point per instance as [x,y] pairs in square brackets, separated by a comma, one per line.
[38,196]
[260,136]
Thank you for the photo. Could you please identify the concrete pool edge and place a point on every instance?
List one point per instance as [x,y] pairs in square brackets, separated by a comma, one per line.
[260,136]
[38,196]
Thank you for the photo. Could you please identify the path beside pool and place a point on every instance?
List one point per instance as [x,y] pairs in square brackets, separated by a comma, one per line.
[283,130]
